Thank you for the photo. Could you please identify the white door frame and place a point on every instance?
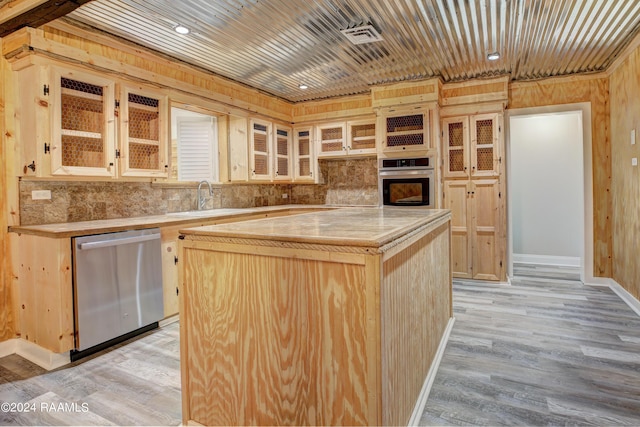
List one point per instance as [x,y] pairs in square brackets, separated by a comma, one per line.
[587,264]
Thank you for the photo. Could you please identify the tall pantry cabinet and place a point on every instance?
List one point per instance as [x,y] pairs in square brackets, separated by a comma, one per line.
[474,190]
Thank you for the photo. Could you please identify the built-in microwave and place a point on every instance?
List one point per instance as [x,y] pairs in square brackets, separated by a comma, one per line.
[407,182]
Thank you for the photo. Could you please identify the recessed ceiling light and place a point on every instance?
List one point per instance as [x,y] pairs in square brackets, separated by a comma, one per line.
[493,56]
[181,29]
[303,86]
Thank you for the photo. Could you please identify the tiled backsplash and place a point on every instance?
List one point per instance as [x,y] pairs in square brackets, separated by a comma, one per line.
[348,181]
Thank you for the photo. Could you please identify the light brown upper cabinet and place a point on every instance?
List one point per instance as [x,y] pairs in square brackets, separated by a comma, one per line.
[260,149]
[143,135]
[405,129]
[471,147]
[304,155]
[351,138]
[282,150]
[75,123]
[270,151]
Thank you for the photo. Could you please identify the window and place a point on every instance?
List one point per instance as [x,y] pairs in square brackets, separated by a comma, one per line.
[194,146]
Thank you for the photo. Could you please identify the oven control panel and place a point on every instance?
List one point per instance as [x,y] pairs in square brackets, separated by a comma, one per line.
[420,162]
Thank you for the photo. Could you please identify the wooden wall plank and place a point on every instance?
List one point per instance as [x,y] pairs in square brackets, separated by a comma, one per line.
[595,90]
[625,179]
[406,93]
[6,306]
[117,58]
[348,107]
[475,91]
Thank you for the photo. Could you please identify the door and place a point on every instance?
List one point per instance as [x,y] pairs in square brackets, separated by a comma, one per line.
[484,149]
[455,137]
[456,196]
[260,150]
[488,242]
[282,154]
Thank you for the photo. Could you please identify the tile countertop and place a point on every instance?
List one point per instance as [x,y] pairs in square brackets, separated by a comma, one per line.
[83,228]
[353,226]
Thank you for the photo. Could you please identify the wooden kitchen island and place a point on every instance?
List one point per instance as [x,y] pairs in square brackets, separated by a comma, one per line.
[322,318]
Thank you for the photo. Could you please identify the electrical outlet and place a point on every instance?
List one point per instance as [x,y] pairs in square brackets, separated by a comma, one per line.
[41,195]
[634,161]
[285,196]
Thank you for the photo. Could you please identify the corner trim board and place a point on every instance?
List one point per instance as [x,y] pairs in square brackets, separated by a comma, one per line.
[431,376]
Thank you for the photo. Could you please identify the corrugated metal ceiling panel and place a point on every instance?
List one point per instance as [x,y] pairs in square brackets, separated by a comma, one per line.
[275,45]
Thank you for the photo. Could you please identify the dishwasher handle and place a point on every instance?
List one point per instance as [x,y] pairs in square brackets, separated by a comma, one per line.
[117,242]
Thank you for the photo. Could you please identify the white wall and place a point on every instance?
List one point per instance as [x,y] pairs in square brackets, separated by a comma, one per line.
[547,186]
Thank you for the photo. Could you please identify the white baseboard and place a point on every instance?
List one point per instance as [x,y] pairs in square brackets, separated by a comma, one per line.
[34,353]
[547,260]
[431,376]
[8,347]
[629,299]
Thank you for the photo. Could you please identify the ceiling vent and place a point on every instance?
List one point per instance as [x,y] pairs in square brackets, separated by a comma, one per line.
[362,34]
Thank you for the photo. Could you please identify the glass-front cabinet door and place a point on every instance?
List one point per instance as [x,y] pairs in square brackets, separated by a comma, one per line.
[83,131]
[143,133]
[282,149]
[304,158]
[485,150]
[455,132]
[260,149]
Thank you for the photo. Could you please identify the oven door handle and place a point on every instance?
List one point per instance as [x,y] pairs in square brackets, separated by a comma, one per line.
[412,172]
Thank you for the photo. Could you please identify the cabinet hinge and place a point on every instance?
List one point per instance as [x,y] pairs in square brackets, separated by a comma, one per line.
[177,291]
[500,263]
[117,104]
[499,194]
[47,148]
[117,154]
[499,128]
[175,259]
[45,89]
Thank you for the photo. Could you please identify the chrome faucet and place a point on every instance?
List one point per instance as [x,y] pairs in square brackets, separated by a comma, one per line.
[201,197]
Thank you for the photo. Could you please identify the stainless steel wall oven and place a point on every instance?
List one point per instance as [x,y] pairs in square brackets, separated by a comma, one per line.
[407,182]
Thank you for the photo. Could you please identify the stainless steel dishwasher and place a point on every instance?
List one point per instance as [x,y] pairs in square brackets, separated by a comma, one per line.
[117,287]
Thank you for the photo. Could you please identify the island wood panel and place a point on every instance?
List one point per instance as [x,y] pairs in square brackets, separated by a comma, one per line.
[416,305]
[568,90]
[275,340]
[44,293]
[625,186]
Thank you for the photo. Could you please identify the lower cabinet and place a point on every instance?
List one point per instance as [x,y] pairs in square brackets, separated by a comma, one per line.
[43,299]
[170,277]
[478,237]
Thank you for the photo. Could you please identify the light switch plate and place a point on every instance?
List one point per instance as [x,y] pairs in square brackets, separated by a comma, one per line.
[634,161]
[41,195]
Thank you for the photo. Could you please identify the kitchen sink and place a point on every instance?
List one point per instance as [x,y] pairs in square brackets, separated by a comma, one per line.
[206,213]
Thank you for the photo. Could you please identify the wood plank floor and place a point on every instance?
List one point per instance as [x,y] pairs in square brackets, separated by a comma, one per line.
[137,383]
[546,350]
